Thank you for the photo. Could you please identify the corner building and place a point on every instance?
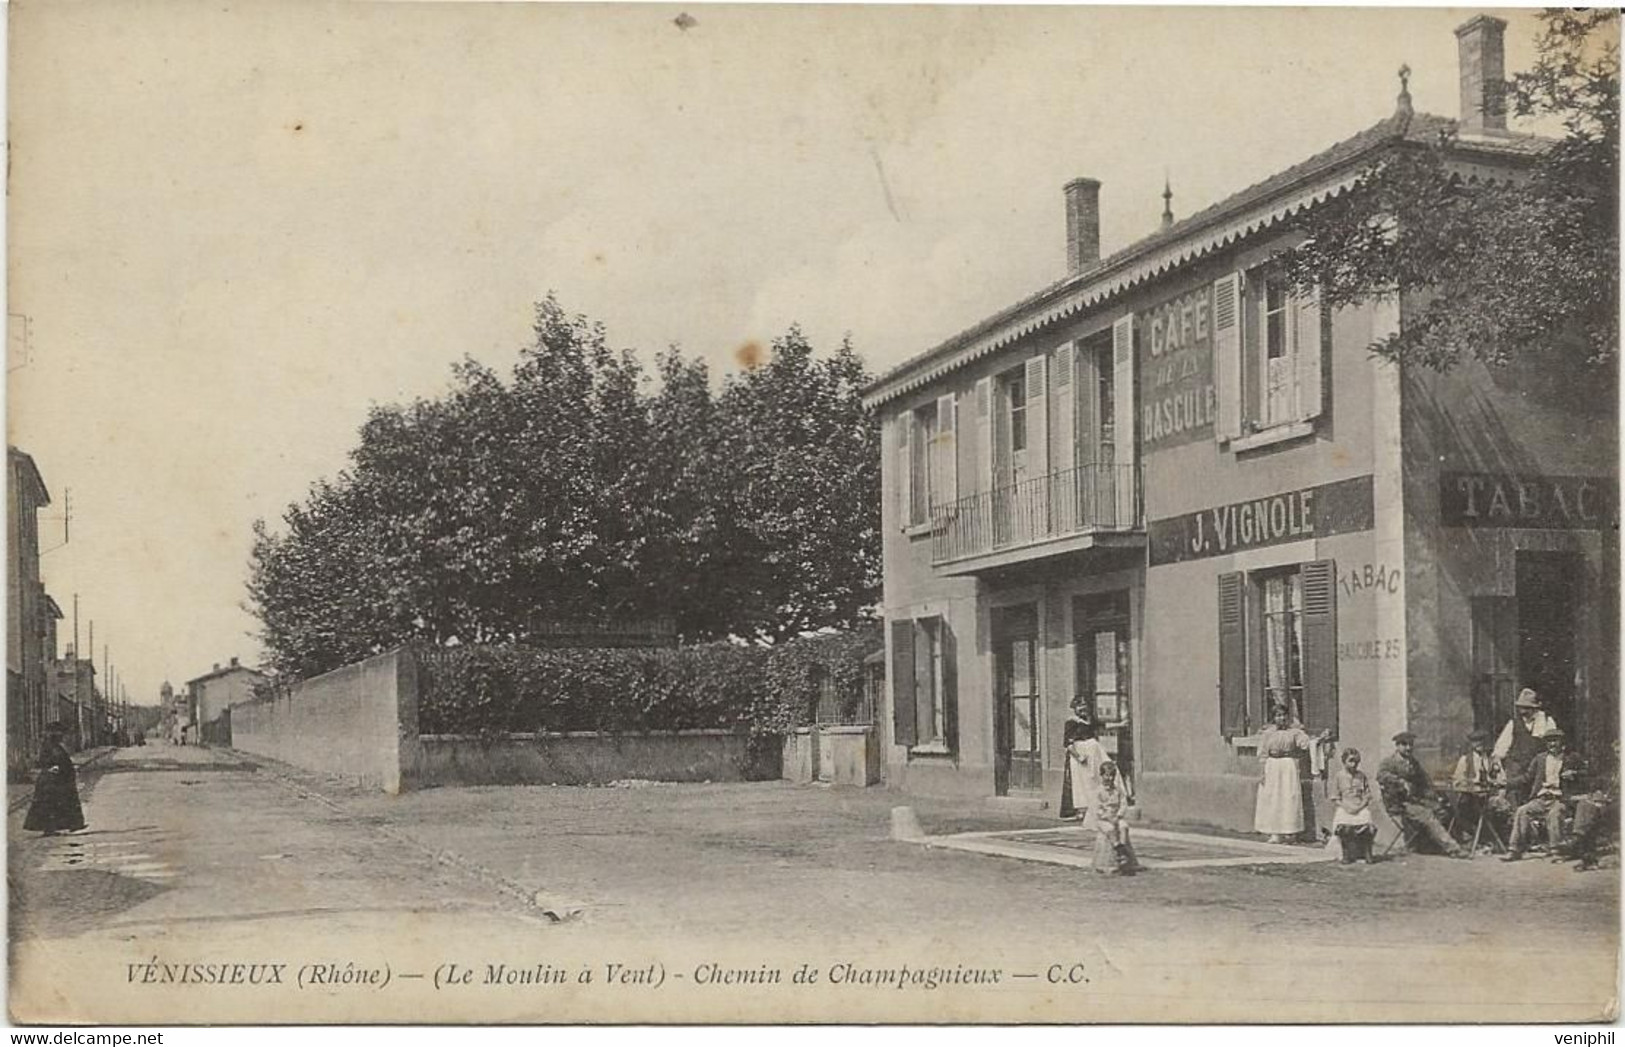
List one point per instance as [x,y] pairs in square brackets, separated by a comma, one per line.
[1169,488]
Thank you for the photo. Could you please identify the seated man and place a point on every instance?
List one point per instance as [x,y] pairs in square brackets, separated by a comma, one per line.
[1408,794]
[1554,778]
[1480,782]
[1594,814]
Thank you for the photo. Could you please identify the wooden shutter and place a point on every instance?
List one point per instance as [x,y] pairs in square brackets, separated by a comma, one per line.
[1032,519]
[1232,654]
[1320,646]
[1127,431]
[1306,343]
[1088,401]
[905,469]
[950,686]
[1064,456]
[945,487]
[1227,355]
[984,434]
[902,682]
[1037,418]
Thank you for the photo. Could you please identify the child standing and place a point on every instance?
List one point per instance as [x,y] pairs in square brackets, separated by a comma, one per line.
[1351,790]
[1114,854]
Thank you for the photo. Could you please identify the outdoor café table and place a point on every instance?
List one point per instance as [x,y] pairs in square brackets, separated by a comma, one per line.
[1484,823]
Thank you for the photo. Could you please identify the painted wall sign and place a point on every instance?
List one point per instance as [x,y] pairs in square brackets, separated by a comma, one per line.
[1343,507]
[1560,503]
[1364,578]
[1177,397]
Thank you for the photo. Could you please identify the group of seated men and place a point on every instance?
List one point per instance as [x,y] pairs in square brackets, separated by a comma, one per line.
[1529,780]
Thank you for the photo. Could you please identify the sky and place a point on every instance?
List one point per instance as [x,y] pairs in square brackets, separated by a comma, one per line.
[235,227]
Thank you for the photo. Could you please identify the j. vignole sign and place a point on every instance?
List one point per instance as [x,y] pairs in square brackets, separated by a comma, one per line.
[1342,507]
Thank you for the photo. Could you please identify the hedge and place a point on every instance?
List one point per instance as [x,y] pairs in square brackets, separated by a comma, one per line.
[756,690]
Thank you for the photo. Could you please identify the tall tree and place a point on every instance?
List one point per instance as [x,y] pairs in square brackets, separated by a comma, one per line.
[1516,270]
[802,522]
[571,491]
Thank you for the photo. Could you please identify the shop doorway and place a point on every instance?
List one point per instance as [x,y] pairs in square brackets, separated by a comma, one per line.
[1100,635]
[1550,598]
[1017,758]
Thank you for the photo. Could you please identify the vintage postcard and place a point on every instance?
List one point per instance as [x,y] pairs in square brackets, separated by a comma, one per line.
[552,513]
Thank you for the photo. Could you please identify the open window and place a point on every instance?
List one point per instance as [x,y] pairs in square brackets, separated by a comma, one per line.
[1278,647]
[1269,350]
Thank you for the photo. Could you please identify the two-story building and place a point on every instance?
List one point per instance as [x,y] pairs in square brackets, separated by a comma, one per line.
[1172,490]
[30,615]
[216,691]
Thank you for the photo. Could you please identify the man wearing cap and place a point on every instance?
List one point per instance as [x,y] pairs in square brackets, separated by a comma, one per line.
[1519,742]
[1480,782]
[1553,778]
[1408,794]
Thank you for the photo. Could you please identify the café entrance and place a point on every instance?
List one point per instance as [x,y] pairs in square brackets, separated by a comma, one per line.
[1100,636]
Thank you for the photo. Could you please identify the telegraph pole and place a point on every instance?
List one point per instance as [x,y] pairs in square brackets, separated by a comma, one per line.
[79,709]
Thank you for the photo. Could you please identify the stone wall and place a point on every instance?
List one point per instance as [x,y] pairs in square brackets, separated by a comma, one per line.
[359,722]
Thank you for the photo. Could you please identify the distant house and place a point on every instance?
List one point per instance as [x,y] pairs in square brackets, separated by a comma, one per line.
[221,688]
[76,696]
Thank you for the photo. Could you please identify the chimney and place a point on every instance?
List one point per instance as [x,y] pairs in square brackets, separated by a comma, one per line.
[1082,224]
[216,667]
[1481,47]
[234,661]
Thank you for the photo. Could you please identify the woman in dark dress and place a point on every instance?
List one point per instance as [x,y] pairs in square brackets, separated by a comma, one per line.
[56,793]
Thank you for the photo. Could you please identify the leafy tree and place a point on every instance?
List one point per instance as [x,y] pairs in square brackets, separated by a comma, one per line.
[568,491]
[802,527]
[1519,270]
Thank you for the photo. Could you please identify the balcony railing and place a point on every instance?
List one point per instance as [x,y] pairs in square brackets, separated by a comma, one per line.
[1070,502]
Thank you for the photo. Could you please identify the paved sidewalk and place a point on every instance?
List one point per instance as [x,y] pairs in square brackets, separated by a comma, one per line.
[1073,846]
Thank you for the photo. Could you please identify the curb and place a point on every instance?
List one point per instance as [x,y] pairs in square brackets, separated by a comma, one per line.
[21,798]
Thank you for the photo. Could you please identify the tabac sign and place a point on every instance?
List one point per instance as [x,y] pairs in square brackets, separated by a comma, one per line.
[1343,507]
[1553,503]
[1177,397]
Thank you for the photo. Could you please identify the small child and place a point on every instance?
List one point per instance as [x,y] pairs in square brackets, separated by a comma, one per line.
[1351,789]
[1114,854]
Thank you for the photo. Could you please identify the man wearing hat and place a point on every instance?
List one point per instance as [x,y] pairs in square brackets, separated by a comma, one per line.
[1554,778]
[1520,739]
[1480,782]
[1408,793]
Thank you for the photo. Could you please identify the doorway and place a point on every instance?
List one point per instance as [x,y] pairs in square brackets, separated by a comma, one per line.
[1018,760]
[1550,595]
[1100,635]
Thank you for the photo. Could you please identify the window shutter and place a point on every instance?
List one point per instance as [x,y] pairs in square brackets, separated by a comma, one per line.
[1033,515]
[1065,455]
[1088,395]
[1232,654]
[1088,400]
[905,468]
[1227,355]
[1320,646]
[984,434]
[1037,417]
[1127,429]
[950,686]
[902,679]
[945,488]
[1306,343]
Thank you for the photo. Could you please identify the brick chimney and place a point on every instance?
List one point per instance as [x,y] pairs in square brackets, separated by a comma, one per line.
[1082,224]
[1480,44]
